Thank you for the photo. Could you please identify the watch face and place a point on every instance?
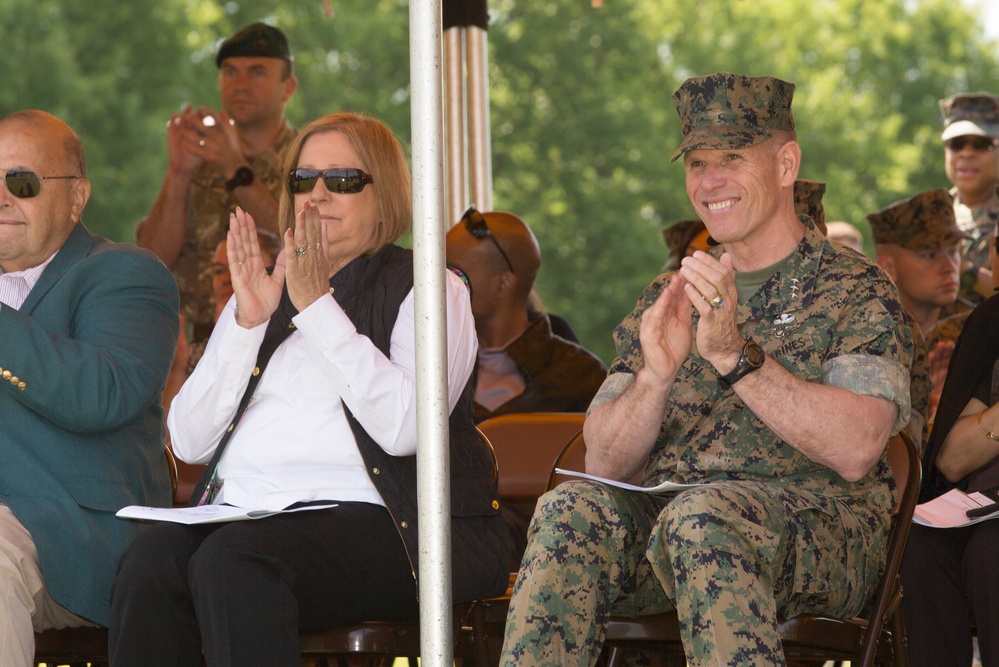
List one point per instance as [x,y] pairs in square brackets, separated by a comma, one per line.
[754,354]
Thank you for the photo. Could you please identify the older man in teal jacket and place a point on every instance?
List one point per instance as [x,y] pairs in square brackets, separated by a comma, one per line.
[87,334]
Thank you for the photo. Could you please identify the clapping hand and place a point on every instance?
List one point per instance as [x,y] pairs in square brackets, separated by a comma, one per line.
[666,332]
[305,253]
[711,290]
[257,292]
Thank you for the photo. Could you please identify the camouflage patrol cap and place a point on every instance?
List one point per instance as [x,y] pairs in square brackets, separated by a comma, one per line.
[808,200]
[727,110]
[970,114]
[255,40]
[924,221]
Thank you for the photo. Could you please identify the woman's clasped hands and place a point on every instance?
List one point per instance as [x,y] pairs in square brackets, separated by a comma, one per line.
[303,265]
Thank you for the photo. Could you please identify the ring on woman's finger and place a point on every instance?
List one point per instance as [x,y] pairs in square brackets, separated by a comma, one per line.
[300,252]
[716,302]
[317,246]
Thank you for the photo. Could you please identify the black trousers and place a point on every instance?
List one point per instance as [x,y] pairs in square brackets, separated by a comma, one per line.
[242,592]
[950,584]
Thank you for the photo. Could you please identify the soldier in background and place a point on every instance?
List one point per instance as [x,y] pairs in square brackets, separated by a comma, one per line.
[808,201]
[218,160]
[971,131]
[917,241]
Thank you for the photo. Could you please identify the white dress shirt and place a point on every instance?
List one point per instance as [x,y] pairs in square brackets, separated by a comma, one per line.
[294,443]
[16,285]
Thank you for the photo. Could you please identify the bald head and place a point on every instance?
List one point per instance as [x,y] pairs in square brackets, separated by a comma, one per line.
[520,245]
[500,291]
[61,134]
[38,217]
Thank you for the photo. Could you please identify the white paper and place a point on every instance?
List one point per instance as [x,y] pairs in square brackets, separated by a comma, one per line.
[203,513]
[948,510]
[664,487]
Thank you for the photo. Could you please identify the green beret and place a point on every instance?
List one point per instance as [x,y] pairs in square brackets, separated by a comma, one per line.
[256,40]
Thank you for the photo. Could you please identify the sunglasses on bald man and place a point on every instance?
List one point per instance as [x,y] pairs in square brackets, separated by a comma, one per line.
[25,184]
[476,225]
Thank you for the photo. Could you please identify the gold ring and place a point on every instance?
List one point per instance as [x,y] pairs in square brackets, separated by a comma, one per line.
[300,252]
[716,302]
[316,246]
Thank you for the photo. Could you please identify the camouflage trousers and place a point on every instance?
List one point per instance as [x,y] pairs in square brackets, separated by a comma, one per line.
[730,557]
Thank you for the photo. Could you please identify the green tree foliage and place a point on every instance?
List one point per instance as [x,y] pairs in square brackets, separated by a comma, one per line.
[583,123]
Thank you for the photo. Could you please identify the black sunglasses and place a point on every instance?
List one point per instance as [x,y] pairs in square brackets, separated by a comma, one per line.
[476,225]
[25,184]
[977,143]
[341,181]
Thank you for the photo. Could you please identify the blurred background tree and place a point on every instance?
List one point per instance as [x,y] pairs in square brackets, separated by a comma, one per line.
[582,118]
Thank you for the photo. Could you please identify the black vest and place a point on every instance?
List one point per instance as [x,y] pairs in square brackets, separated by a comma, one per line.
[371,290]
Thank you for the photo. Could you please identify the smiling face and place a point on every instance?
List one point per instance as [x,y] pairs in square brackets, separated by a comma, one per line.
[974,172]
[737,192]
[349,218]
[32,229]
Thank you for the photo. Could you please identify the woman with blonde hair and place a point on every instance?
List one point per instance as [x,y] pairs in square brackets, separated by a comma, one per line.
[305,400]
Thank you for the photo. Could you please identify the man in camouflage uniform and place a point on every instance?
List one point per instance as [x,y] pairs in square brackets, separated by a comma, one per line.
[970,136]
[787,433]
[219,160]
[918,243]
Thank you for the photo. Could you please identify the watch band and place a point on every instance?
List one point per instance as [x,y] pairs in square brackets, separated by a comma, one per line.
[751,359]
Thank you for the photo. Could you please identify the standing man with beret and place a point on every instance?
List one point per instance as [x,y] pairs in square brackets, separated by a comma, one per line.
[970,136]
[87,333]
[736,372]
[218,160]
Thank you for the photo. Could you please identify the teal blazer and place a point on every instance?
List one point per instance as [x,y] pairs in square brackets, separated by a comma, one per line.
[81,428]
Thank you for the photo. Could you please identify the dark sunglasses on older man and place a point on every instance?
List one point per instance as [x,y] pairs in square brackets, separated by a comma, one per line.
[476,225]
[341,181]
[977,143]
[25,184]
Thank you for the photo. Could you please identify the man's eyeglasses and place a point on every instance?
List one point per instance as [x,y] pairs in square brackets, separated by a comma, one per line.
[476,225]
[341,181]
[25,184]
[977,143]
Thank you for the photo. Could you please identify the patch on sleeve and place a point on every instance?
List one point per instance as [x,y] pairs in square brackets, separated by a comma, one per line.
[868,375]
[613,386]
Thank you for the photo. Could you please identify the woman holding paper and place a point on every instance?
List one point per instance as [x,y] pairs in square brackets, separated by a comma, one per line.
[305,398]
[950,576]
